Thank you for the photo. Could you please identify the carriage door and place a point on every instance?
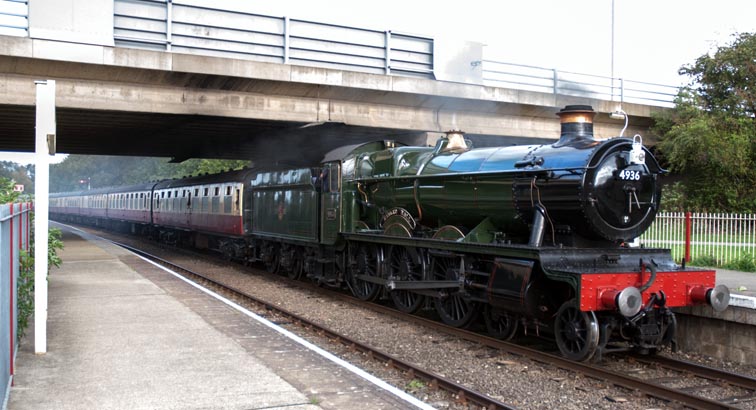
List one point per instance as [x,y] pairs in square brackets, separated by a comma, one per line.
[330,209]
[188,208]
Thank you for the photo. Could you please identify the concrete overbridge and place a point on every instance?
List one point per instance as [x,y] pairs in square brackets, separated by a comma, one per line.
[121,94]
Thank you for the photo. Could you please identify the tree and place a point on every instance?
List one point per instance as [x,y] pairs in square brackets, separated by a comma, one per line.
[7,195]
[21,174]
[709,138]
[107,171]
[725,81]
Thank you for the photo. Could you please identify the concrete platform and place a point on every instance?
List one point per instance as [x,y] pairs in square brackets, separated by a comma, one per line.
[124,334]
[727,335]
[742,286]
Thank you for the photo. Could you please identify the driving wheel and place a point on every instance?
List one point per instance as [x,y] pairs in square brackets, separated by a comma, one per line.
[500,323]
[452,307]
[403,267]
[367,262]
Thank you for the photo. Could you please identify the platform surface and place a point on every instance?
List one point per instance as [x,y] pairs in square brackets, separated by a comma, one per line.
[741,283]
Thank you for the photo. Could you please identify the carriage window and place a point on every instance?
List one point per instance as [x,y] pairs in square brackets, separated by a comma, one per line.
[207,190]
[196,192]
[169,194]
[217,191]
[325,179]
[330,178]
[228,190]
[335,179]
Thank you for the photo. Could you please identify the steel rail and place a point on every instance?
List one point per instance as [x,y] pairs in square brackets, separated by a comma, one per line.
[464,395]
[733,379]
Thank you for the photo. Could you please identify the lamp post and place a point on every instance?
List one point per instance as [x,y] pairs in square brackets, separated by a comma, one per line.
[618,114]
[612,67]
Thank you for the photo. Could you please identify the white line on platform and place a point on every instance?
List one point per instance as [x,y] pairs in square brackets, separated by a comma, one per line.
[748,302]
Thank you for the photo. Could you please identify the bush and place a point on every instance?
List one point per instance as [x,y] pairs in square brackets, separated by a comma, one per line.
[26,276]
[25,295]
[706,260]
[744,263]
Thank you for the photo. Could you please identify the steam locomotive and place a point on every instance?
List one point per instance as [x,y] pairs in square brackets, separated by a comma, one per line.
[531,237]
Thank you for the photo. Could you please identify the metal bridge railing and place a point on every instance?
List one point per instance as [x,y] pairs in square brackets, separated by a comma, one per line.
[14,18]
[173,26]
[548,80]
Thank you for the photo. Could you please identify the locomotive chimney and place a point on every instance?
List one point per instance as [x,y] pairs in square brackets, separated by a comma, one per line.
[577,124]
[456,140]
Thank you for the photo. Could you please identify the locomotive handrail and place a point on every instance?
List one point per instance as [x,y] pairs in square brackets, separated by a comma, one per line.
[573,170]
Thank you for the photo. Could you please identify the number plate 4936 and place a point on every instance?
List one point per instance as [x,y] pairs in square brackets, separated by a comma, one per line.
[630,175]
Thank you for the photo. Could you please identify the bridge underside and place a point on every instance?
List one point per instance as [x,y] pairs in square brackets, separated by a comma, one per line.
[180,137]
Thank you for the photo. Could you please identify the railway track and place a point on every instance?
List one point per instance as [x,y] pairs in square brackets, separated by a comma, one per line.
[653,387]
[707,378]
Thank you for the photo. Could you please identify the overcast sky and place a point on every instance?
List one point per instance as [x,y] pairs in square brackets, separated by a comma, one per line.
[653,38]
